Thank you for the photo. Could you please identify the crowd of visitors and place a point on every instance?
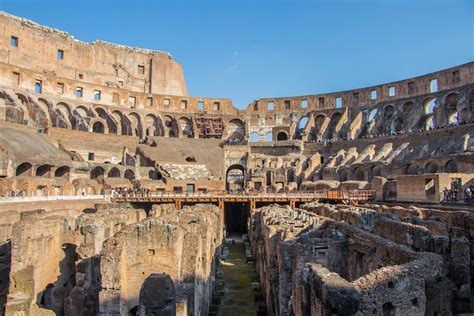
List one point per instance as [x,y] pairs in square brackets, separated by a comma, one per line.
[453,195]
[130,192]
[230,142]
[17,193]
[394,133]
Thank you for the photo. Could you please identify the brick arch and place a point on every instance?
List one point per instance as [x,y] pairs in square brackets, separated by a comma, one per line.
[186,126]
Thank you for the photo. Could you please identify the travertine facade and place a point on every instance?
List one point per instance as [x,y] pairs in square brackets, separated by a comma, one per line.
[82,123]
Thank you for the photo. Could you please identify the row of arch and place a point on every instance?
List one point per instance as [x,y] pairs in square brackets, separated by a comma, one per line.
[434,112]
[98,119]
[360,173]
[26,169]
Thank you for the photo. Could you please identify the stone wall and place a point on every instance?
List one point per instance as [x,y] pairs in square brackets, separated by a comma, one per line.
[331,260]
[54,259]
[176,248]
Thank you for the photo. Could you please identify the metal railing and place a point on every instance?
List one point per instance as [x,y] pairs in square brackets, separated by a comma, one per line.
[323,194]
[15,199]
[329,194]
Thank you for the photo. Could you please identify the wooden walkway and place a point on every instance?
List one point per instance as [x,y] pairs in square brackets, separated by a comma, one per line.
[355,197]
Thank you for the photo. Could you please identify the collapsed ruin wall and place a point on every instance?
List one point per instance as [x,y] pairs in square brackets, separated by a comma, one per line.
[180,246]
[313,264]
[108,260]
[54,259]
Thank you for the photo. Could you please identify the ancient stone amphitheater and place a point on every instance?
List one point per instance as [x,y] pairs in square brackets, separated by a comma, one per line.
[122,195]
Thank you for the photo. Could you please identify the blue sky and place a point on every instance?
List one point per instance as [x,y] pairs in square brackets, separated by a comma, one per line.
[252,49]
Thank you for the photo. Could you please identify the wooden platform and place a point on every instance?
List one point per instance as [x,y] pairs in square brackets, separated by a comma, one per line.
[346,197]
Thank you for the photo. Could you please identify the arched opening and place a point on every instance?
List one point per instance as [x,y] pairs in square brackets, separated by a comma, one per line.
[343,175]
[374,171]
[169,126]
[254,137]
[269,137]
[236,129]
[42,118]
[358,174]
[411,169]
[122,123]
[24,169]
[431,167]
[429,106]
[62,171]
[111,124]
[186,127]
[129,174]
[79,120]
[302,123]
[332,125]
[62,113]
[388,122]
[97,173]
[235,178]
[43,171]
[451,167]
[23,99]
[282,136]
[451,103]
[269,177]
[155,175]
[153,126]
[98,127]
[114,173]
[135,124]
[316,130]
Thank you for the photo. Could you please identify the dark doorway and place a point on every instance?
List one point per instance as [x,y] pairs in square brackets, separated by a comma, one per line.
[235,217]
[235,178]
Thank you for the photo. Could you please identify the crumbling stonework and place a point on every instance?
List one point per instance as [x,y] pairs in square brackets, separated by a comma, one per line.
[83,125]
[179,246]
[67,279]
[312,264]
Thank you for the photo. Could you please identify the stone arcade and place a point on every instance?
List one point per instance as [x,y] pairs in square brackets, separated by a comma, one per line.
[93,134]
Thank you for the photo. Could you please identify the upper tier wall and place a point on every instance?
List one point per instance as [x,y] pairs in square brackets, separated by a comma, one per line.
[112,72]
[28,45]
[437,81]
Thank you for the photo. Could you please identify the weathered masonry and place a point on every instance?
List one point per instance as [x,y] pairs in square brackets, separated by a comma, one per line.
[119,191]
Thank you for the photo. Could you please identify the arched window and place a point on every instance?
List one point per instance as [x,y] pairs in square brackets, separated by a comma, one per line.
[431,167]
[430,105]
[62,171]
[98,127]
[97,173]
[358,174]
[282,136]
[235,178]
[254,137]
[23,169]
[451,167]
[269,137]
[129,174]
[114,173]
[372,115]
[43,171]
